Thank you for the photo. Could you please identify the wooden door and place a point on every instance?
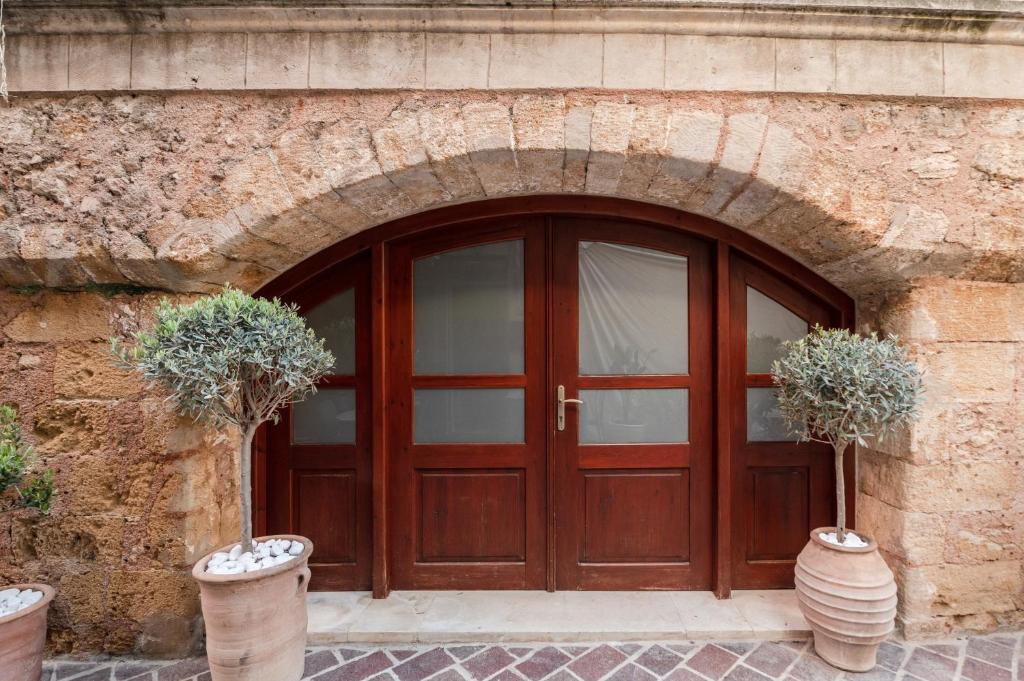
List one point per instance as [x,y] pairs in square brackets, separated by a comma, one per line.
[631,340]
[466,408]
[319,470]
[781,490]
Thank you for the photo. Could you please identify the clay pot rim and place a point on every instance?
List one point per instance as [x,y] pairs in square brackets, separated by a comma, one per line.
[872,545]
[199,569]
[48,595]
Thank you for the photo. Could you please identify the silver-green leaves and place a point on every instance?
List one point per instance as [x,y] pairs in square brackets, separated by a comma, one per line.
[230,358]
[838,387]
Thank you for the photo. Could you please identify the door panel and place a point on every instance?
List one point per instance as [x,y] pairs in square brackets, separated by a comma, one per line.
[319,467]
[631,340]
[467,437]
[781,489]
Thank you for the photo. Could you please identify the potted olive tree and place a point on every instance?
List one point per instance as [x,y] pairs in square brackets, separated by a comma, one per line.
[841,388]
[23,607]
[232,360]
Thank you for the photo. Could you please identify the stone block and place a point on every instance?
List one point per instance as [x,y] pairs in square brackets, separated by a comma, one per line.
[577,147]
[277,61]
[89,372]
[691,144]
[781,168]
[983,70]
[403,158]
[62,317]
[634,61]
[491,144]
[982,536]
[646,153]
[100,62]
[871,67]
[745,134]
[188,61]
[539,126]
[916,538]
[719,63]
[954,310]
[444,138]
[37,62]
[969,372]
[610,129]
[959,590]
[971,486]
[139,594]
[457,61]
[355,61]
[539,60]
[805,65]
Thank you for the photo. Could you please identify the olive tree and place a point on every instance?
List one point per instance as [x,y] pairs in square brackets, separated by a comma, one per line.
[839,387]
[15,460]
[230,360]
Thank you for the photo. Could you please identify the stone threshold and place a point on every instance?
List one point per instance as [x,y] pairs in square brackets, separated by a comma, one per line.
[563,616]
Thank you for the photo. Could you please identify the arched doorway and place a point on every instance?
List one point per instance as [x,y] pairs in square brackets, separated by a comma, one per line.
[549,392]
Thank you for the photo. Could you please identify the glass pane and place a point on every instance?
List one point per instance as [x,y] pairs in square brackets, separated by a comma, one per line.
[328,417]
[764,421]
[633,310]
[469,415]
[768,324]
[334,320]
[634,415]
[468,310]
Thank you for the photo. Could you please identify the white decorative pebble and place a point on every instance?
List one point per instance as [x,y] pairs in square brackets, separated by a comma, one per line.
[7,593]
[13,600]
[235,552]
[296,548]
[265,554]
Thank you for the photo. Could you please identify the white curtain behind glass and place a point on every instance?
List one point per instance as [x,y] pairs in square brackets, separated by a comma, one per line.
[633,310]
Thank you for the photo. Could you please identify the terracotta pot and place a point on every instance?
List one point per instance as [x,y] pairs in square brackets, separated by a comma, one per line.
[23,637]
[848,596]
[256,621]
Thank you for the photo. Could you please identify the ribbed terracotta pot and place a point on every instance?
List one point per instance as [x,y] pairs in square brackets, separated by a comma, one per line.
[848,596]
[256,621]
[23,637]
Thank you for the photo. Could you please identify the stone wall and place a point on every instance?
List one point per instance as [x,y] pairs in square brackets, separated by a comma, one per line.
[140,494]
[106,202]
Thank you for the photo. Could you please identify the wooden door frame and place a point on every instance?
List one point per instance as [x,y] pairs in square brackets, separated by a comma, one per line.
[724,241]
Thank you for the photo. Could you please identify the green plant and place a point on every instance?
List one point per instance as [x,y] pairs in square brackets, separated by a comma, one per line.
[15,459]
[838,387]
[230,359]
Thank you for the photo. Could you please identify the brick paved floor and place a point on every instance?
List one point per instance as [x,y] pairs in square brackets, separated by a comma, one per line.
[982,658]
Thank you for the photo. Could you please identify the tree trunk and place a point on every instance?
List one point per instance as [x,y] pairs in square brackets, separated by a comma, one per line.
[245,486]
[840,447]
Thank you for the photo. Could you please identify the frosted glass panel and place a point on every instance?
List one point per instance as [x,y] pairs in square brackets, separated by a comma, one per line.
[764,421]
[469,415]
[468,311]
[633,310]
[768,324]
[329,417]
[634,415]
[334,320]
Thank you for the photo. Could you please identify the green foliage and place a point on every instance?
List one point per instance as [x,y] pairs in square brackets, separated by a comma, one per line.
[230,358]
[838,387]
[15,458]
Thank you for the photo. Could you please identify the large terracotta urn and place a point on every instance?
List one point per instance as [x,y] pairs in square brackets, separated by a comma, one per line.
[256,621]
[848,596]
[23,637]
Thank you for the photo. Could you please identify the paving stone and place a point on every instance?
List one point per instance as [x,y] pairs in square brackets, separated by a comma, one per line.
[931,666]
[712,661]
[179,671]
[771,658]
[991,652]
[597,663]
[876,674]
[508,675]
[631,672]
[659,660]
[459,652]
[629,648]
[205,676]
[745,673]
[976,670]
[1007,641]
[542,663]
[810,667]
[124,671]
[64,670]
[890,655]
[683,674]
[422,666]
[351,653]
[947,649]
[318,662]
[103,674]
[682,648]
[449,675]
[739,647]
[520,652]
[358,669]
[488,663]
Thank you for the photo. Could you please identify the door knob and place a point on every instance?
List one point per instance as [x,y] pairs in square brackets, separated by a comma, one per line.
[562,401]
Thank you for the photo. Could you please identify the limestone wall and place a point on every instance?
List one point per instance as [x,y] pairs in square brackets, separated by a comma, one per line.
[108,201]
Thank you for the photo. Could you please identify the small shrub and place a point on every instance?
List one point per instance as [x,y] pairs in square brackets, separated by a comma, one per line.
[15,460]
[838,387]
[230,359]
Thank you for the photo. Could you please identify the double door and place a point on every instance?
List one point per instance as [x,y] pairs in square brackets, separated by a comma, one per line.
[549,407]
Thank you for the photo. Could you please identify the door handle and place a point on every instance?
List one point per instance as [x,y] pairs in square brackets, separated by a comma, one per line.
[562,401]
